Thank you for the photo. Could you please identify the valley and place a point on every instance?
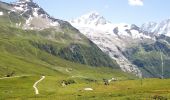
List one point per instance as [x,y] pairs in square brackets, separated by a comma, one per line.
[85,58]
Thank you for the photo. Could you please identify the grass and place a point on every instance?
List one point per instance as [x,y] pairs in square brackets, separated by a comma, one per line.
[50,88]
[20,57]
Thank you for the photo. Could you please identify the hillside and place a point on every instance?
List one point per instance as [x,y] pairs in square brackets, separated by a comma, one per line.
[62,41]
[151,57]
[56,52]
[23,61]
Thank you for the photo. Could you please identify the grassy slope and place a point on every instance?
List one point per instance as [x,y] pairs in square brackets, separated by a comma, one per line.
[66,42]
[19,55]
[148,58]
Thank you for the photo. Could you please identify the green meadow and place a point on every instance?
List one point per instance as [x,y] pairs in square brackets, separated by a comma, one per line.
[51,89]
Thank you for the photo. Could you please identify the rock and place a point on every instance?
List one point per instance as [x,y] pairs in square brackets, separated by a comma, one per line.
[88,89]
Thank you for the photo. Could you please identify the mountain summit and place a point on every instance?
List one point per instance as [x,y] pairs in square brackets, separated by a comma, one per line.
[92,19]
[36,17]
[156,29]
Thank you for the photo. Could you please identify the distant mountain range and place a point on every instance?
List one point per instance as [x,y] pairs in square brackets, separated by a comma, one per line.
[129,44]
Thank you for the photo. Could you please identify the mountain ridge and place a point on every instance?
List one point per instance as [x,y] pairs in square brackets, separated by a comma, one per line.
[157,28]
[118,39]
[103,35]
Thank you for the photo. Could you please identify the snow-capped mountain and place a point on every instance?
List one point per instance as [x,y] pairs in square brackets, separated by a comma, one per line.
[95,21]
[34,16]
[92,18]
[156,29]
[113,39]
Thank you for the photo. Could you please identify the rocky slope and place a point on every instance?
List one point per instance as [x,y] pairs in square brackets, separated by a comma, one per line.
[36,17]
[112,39]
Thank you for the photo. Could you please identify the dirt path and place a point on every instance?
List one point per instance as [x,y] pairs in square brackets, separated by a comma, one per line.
[35,84]
[67,70]
[79,76]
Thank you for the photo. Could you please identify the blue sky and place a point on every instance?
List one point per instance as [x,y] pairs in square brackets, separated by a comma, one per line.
[116,11]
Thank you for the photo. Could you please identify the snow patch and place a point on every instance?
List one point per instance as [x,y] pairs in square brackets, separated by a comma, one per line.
[54,24]
[1,13]
[28,21]
[39,23]
[35,13]
[19,8]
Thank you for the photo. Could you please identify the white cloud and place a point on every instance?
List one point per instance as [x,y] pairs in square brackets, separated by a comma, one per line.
[136,2]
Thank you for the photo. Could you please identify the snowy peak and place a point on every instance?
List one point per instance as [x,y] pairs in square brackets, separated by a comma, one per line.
[27,8]
[163,27]
[111,38]
[91,15]
[93,21]
[35,17]
[157,28]
[148,25]
[92,18]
